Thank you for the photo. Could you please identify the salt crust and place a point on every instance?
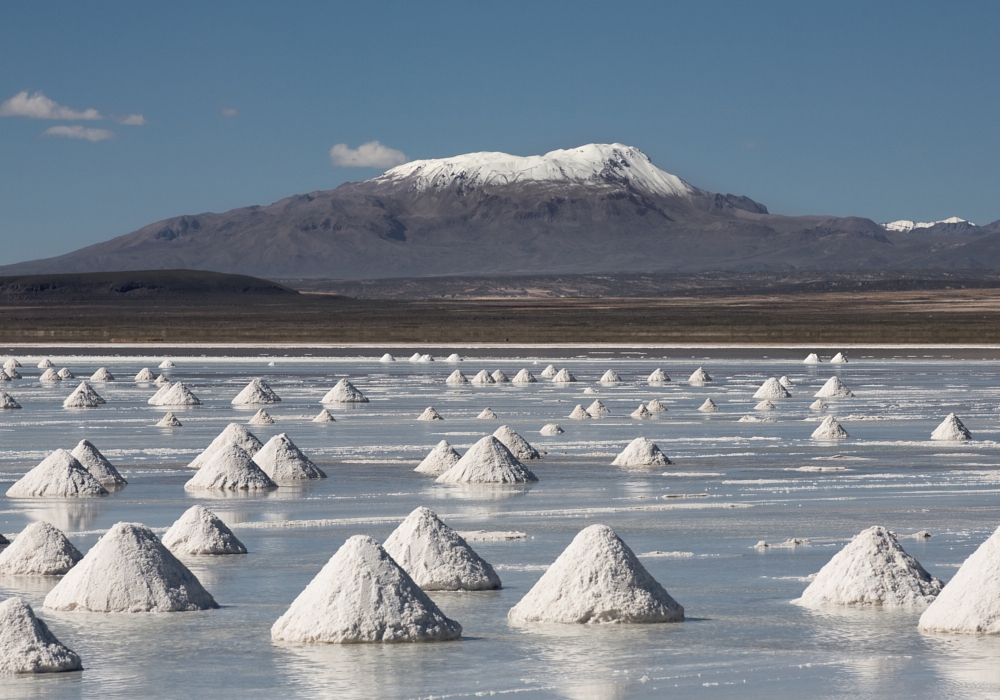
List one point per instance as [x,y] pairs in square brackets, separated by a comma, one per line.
[200,531]
[551,429]
[951,428]
[144,375]
[829,429]
[229,468]
[97,464]
[641,452]
[436,557]
[818,405]
[970,603]
[11,363]
[641,412]
[102,375]
[261,417]
[499,377]
[834,388]
[549,372]
[284,462]
[45,364]
[256,392]
[610,377]
[750,418]
[811,359]
[27,645]
[838,359]
[655,406]
[166,364]
[488,462]
[597,579]
[232,433]
[488,414]
[174,395]
[518,446]
[699,376]
[129,570]
[580,413]
[168,421]
[708,406]
[64,373]
[598,409]
[658,376]
[456,377]
[50,375]
[482,378]
[7,401]
[83,396]
[872,569]
[344,392]
[524,377]
[439,460]
[324,416]
[430,414]
[39,550]
[492,535]
[60,475]
[387,358]
[765,405]
[362,595]
[790,543]
[772,389]
[563,376]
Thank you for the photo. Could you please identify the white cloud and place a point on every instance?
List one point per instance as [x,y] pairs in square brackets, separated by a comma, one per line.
[38,106]
[228,111]
[367,155]
[130,119]
[79,132]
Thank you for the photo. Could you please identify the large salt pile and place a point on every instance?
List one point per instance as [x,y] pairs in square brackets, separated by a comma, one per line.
[83,396]
[97,464]
[641,453]
[548,372]
[344,392]
[362,595]
[45,364]
[524,377]
[200,531]
[50,375]
[872,569]
[174,395]
[430,414]
[597,579]
[499,377]
[951,428]
[488,462]
[415,357]
[655,406]
[442,458]
[233,433]
[482,377]
[261,417]
[27,645]
[436,557]
[658,377]
[166,364]
[838,359]
[699,376]
[833,389]
[257,391]
[168,421]
[144,375]
[387,358]
[64,373]
[818,405]
[129,570]
[641,412]
[456,377]
[11,363]
[284,462]
[563,376]
[772,389]
[324,416]
[230,468]
[551,429]
[7,401]
[708,406]
[765,405]
[39,550]
[102,375]
[829,429]
[60,475]
[488,414]
[610,377]
[580,413]
[970,603]
[518,446]
[811,359]
[598,409]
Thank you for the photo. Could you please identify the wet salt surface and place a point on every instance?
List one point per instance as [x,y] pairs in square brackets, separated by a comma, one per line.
[694,525]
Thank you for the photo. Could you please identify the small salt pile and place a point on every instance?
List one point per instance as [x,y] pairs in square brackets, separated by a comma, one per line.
[641,412]
[610,377]
[344,392]
[426,358]
[11,363]
[456,377]
[524,377]
[5,376]
[271,363]
[970,603]
[49,375]
[102,375]
[64,373]
[39,550]
[829,429]
[261,417]
[200,531]
[144,376]
[699,376]
[230,468]
[838,359]
[387,358]
[129,570]
[488,414]
[765,405]
[811,359]
[60,475]
[598,409]
[551,429]
[168,421]
[7,401]
[284,462]
[563,376]
[488,462]
[818,405]
[362,595]
[436,557]
[83,396]
[708,406]
[548,372]
[27,645]
[97,464]
[442,458]
[771,389]
[872,569]
[482,377]
[415,357]
[834,388]
[166,364]
[658,377]
[233,433]
[589,390]
[641,453]
[430,414]
[454,357]
[499,377]
[952,429]
[785,382]
[518,446]
[161,381]
[324,416]
[597,579]
[256,392]
[45,364]
[12,373]
[580,413]
[655,406]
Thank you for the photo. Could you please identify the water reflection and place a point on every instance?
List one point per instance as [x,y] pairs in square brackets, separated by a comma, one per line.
[69,515]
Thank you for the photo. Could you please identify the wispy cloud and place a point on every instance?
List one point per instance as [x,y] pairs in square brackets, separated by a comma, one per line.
[130,119]
[38,106]
[228,111]
[367,155]
[79,132]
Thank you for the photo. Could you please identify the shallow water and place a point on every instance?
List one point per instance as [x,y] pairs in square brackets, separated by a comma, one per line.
[693,524]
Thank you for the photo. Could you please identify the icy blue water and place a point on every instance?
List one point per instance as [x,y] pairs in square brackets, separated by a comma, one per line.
[731,485]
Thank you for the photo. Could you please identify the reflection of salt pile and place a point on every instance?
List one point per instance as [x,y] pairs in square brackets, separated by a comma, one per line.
[102,375]
[708,406]
[772,389]
[233,433]
[499,377]
[482,377]
[344,392]
[838,359]
[829,429]
[174,395]
[598,409]
[488,414]
[580,413]
[129,570]
[610,377]
[454,357]
[97,464]
[951,428]
[548,372]
[230,468]
[45,364]
[60,475]
[168,421]
[362,595]
[257,391]
[7,401]
[324,416]
[387,358]
[834,388]
[970,603]
[641,453]
[442,458]
[27,645]
[699,376]
[811,359]
[872,569]
[39,550]
[785,382]
[144,375]
[50,375]
[597,579]
[64,373]
[430,414]
[200,531]
[261,417]
[436,557]
[83,396]
[658,376]
[818,405]
[655,406]
[765,405]
[641,412]
[563,376]
[284,462]
[524,377]
[488,462]
[456,377]
[518,446]
[551,429]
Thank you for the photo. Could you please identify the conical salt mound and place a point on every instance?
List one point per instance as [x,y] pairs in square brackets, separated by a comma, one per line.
[597,579]
[415,357]
[482,377]
[6,376]
[708,406]
[658,377]
[641,412]
[161,381]
[951,428]
[144,375]
[344,392]
[39,550]
[166,364]
[129,570]
[256,392]
[610,377]
[524,377]
[83,396]
[818,405]
[230,468]
[12,373]
[655,406]
[518,446]
[387,358]
[234,433]
[45,364]
[430,414]
[811,359]
[488,414]
[442,458]
[785,382]
[765,405]
[284,462]
[871,570]
[598,409]
[838,359]
[499,377]
[168,421]
[200,531]
[970,603]
[834,388]
[426,358]
[362,595]
[261,417]
[563,376]
[102,375]
[436,557]
[551,429]
[97,464]
[454,357]
[829,429]
[549,372]
[488,462]
[176,395]
[27,645]
[11,363]
[64,373]
[7,401]
[60,475]
[580,413]
[699,376]
[324,416]
[456,377]
[772,389]
[50,375]
[641,453]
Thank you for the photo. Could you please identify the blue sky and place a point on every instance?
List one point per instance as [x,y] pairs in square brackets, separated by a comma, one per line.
[884,110]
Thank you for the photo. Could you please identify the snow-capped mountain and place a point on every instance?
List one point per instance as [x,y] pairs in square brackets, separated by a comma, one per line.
[905,225]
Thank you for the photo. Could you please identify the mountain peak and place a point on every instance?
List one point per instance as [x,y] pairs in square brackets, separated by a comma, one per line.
[905,225]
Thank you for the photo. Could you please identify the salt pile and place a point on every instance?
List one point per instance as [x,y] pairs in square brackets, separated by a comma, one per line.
[261,417]
[177,395]
[811,359]
[610,377]
[454,357]
[641,412]
[549,372]
[951,428]
[161,381]
[772,389]
[785,382]
[598,409]
[589,390]
[233,433]
[597,579]
[102,375]
[563,376]
[524,377]
[829,429]
[324,416]
[579,413]
[415,357]
[39,550]
[83,396]
[12,373]
[436,557]
[551,429]
[281,460]
[442,458]
[45,364]
[499,377]
[749,418]
[5,376]
[655,406]
[658,376]
[699,376]
[166,364]
[970,603]
[872,569]
[362,595]
[200,531]
[129,570]
[834,388]
[708,406]
[387,358]
[27,645]
[229,468]
[64,373]
[257,391]
[154,400]
[482,377]
[641,453]
[765,405]
[11,363]
[168,421]
[7,401]
[426,358]
[97,464]
[49,375]
[60,475]
[144,375]
[344,392]
[838,359]
[518,446]
[430,414]
[818,405]
[456,377]
[488,414]
[488,462]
